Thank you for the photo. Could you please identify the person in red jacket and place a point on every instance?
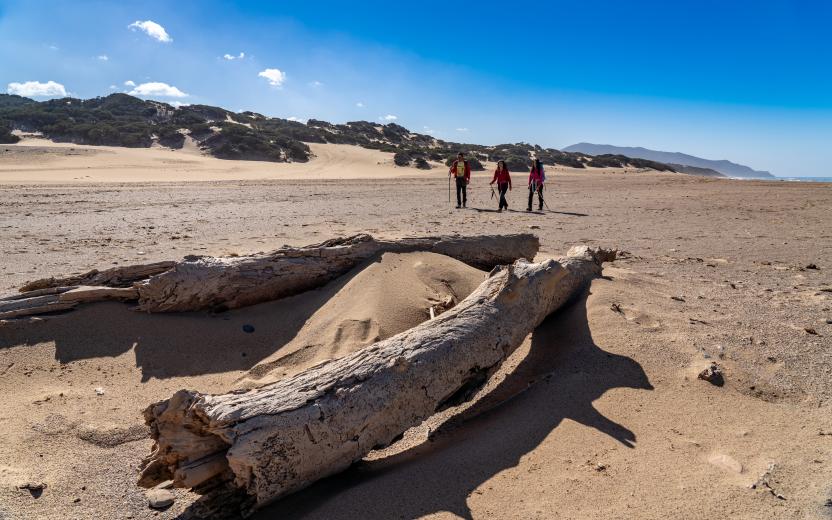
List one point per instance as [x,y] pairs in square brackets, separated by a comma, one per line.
[461,170]
[536,180]
[503,180]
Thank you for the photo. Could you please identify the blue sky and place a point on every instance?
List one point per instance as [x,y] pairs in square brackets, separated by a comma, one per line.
[741,80]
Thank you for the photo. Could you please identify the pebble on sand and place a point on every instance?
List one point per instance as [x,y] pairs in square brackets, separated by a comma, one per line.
[159,498]
[713,375]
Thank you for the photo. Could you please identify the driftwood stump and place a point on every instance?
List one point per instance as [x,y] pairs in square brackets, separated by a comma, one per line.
[265,443]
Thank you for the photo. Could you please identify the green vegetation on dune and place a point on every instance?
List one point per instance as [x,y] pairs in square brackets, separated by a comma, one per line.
[123,120]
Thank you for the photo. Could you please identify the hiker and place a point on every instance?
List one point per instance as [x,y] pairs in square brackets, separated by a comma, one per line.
[536,179]
[503,180]
[461,170]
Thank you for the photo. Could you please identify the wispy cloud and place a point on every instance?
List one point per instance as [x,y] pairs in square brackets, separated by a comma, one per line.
[37,89]
[296,119]
[389,117]
[461,129]
[316,84]
[103,57]
[157,88]
[230,57]
[275,77]
[152,29]
[113,87]
[428,130]
[360,104]
[129,83]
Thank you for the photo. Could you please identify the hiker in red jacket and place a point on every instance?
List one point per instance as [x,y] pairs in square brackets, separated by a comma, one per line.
[461,170]
[536,179]
[503,180]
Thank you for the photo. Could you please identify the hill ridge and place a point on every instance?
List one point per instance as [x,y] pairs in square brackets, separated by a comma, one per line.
[723,166]
[122,120]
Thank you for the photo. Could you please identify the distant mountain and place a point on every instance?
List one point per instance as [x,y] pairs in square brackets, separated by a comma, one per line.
[724,167]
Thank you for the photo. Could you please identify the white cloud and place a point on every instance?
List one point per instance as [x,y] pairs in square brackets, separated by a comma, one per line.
[275,76]
[129,83]
[53,47]
[178,104]
[37,89]
[230,57]
[461,129]
[296,119]
[103,57]
[113,87]
[428,130]
[360,104]
[157,88]
[389,117]
[152,29]
[316,83]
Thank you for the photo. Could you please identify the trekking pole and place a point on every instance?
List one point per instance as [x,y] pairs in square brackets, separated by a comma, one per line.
[544,200]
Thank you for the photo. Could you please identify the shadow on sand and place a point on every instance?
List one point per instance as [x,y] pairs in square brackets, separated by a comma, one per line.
[567,372]
[571,214]
[176,344]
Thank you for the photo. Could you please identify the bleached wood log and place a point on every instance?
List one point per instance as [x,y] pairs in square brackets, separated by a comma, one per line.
[53,299]
[274,440]
[210,283]
[202,282]
[114,277]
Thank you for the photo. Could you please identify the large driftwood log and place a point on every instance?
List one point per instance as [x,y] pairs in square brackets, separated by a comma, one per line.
[274,440]
[202,282]
[206,282]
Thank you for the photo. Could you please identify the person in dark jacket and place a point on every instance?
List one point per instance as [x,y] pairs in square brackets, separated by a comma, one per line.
[503,180]
[461,171]
[536,180]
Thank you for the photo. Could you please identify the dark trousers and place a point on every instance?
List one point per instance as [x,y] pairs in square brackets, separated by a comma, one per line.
[503,188]
[461,191]
[539,195]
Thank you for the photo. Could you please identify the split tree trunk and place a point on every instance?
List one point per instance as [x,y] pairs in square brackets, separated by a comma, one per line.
[202,282]
[274,440]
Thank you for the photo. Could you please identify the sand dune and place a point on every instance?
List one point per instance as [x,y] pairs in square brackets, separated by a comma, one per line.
[40,160]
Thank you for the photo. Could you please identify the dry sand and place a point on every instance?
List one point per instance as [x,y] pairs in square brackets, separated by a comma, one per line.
[599,414]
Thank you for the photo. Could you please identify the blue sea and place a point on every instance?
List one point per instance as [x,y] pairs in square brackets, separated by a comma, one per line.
[805,179]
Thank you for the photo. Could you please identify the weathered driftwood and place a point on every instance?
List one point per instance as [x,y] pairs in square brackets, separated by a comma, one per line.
[207,282]
[277,439]
[113,277]
[54,299]
[202,282]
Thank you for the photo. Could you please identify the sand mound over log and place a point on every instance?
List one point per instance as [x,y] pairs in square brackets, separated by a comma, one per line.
[375,301]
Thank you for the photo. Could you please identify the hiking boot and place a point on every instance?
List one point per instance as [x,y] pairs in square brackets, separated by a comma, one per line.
[458,206]
[529,208]
[540,208]
[499,210]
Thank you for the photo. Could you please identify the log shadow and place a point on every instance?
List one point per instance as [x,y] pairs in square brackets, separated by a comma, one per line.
[564,372]
[176,344]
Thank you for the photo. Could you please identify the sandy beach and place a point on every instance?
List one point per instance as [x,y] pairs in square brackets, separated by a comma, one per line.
[598,414]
